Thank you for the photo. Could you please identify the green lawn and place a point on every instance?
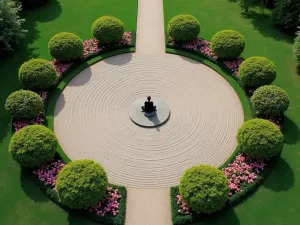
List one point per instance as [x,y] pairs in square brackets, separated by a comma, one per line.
[21,202]
[275,203]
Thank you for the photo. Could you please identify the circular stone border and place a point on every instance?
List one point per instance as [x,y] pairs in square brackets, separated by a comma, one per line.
[159,117]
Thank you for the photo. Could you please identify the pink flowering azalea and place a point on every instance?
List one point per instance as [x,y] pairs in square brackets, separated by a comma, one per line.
[61,66]
[234,65]
[183,208]
[17,125]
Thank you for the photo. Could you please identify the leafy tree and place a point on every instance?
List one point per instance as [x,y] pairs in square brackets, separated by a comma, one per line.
[11,31]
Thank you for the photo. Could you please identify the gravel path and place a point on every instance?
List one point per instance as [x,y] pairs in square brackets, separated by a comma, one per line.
[92,120]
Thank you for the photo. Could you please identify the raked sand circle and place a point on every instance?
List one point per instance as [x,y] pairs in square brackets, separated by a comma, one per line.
[92,119]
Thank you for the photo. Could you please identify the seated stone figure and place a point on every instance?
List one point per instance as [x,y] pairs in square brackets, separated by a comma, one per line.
[149,107]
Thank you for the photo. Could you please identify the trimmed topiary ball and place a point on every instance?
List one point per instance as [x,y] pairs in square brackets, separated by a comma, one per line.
[296,47]
[270,101]
[108,29]
[37,74]
[33,146]
[227,44]
[183,28]
[65,46]
[257,71]
[204,188]
[260,139]
[24,104]
[81,184]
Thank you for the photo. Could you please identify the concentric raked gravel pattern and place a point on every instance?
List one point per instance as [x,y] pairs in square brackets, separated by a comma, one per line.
[92,121]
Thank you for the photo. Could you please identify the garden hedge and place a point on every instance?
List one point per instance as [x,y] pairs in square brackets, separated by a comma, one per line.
[204,188]
[37,74]
[24,104]
[183,28]
[81,184]
[227,44]
[33,146]
[270,101]
[260,139]
[65,47]
[257,71]
[108,30]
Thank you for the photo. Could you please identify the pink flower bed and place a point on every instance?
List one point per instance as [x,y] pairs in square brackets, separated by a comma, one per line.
[110,205]
[17,125]
[234,65]
[48,173]
[183,209]
[61,66]
[242,171]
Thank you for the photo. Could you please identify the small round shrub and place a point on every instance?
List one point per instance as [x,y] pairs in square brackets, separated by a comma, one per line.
[108,29]
[24,104]
[260,139]
[33,145]
[257,71]
[37,74]
[296,47]
[65,46]
[183,27]
[228,44]
[270,101]
[204,188]
[81,184]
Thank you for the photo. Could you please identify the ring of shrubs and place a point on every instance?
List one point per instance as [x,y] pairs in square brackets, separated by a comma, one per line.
[81,184]
[204,188]
[183,28]
[24,104]
[257,71]
[33,145]
[37,74]
[65,46]
[270,101]
[260,139]
[228,44]
[108,29]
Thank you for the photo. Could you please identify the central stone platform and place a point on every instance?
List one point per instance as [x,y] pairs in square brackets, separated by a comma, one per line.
[159,117]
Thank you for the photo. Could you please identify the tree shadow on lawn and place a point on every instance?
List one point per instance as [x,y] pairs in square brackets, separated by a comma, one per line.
[226,216]
[262,22]
[291,131]
[280,170]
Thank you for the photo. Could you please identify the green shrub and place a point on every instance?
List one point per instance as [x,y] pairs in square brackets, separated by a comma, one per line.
[257,71]
[227,44]
[286,14]
[270,101]
[65,46]
[183,27]
[81,184]
[108,30]
[33,145]
[259,138]
[296,48]
[11,31]
[24,104]
[204,188]
[37,74]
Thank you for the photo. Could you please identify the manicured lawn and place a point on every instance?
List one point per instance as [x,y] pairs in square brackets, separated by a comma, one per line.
[21,202]
[275,203]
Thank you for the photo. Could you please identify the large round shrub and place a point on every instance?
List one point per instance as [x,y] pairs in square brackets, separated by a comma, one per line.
[24,104]
[270,101]
[81,184]
[296,47]
[257,71]
[260,139]
[108,29]
[204,188]
[183,28]
[37,74]
[65,46]
[33,146]
[227,44]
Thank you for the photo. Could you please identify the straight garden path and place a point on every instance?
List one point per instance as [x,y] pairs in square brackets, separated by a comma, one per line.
[149,206]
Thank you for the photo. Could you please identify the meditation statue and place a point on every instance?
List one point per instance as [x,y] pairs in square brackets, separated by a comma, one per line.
[148,107]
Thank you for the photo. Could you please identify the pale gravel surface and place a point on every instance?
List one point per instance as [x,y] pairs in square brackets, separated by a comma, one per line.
[92,119]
